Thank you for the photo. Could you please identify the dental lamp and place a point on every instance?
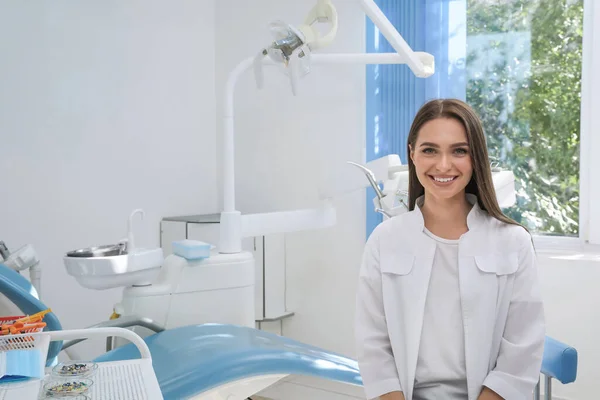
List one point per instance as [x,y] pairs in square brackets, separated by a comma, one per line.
[292,46]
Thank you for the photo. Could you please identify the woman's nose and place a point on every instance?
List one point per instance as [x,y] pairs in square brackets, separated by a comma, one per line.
[444,163]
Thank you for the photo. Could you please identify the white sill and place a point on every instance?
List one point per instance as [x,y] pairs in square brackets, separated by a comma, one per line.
[566,248]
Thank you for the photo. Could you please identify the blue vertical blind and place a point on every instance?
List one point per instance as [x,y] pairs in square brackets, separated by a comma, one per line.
[394,94]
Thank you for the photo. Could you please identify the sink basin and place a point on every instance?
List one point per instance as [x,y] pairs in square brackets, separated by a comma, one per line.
[106,272]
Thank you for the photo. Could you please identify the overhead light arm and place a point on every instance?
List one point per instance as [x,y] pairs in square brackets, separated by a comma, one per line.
[415,63]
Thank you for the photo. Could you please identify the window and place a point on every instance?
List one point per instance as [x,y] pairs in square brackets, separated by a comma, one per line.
[518,64]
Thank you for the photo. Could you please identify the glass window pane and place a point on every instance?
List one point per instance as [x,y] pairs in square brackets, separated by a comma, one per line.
[524,80]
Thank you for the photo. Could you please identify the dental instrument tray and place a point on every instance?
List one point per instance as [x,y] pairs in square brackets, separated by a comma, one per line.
[124,380]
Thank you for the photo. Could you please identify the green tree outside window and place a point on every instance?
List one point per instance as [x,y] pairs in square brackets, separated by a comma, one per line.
[524,80]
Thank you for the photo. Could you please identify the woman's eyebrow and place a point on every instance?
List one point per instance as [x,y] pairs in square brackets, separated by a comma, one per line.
[430,144]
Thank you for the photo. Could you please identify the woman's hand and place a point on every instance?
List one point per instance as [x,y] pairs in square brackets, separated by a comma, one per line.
[393,396]
[488,394]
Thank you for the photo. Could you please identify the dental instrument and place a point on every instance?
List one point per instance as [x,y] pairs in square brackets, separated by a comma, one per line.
[371,178]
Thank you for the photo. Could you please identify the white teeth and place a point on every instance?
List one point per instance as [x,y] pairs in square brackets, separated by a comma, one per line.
[443,179]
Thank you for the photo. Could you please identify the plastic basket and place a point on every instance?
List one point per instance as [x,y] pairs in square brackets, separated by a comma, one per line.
[25,341]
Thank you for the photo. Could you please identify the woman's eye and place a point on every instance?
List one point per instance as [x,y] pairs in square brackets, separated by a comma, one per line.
[462,151]
[428,150]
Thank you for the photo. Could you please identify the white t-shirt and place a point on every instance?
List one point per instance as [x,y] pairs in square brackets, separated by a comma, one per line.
[441,371]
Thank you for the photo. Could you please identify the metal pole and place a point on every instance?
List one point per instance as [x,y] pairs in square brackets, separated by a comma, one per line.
[548,387]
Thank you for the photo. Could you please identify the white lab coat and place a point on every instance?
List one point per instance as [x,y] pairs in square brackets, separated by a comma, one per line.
[501,305]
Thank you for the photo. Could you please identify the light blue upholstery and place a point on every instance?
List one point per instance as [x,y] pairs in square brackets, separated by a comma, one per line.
[560,361]
[192,359]
[211,355]
[20,291]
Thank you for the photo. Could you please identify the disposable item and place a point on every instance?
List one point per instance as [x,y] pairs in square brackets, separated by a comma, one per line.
[191,249]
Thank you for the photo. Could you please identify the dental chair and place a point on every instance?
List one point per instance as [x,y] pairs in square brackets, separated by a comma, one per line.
[214,361]
[209,361]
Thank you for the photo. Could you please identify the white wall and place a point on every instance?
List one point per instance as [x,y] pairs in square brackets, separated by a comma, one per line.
[105,106]
[570,288]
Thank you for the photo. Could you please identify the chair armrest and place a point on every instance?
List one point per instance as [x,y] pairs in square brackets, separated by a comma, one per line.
[560,361]
[121,322]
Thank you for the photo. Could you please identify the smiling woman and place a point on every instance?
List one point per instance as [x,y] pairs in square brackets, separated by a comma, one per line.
[453,264]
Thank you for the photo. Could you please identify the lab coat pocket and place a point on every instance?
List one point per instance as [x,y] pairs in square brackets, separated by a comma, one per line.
[496,280]
[398,264]
[499,264]
[400,288]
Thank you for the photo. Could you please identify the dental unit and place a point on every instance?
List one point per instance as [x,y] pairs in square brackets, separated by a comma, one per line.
[213,351]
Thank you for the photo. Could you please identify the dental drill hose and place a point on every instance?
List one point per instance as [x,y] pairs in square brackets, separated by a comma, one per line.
[371,177]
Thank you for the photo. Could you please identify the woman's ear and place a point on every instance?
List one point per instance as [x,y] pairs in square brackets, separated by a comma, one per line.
[411,153]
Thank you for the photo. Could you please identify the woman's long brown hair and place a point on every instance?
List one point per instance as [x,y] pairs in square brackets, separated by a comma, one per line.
[481,183]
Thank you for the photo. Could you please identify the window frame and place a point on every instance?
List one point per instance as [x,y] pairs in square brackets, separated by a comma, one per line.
[589,143]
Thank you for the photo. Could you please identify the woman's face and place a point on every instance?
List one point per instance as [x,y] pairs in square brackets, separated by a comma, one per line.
[442,158]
